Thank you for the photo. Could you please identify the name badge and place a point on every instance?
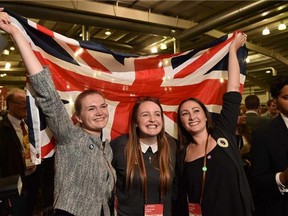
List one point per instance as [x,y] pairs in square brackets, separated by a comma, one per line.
[153,210]
[194,209]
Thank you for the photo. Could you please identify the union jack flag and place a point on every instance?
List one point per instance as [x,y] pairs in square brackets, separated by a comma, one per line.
[79,65]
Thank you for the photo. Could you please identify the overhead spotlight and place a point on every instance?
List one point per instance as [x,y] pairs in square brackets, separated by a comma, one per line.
[108,33]
[154,50]
[163,46]
[12,48]
[7,65]
[266,31]
[6,52]
[281,26]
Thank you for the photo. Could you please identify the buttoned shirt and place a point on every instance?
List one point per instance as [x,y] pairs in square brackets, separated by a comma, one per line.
[16,125]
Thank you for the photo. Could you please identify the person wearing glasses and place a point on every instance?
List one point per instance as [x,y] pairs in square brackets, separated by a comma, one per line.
[14,153]
[84,176]
[144,161]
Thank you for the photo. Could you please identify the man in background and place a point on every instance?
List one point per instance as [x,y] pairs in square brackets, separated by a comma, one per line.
[14,152]
[272,110]
[253,117]
[269,154]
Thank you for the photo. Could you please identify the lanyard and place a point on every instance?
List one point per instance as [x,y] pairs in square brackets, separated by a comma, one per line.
[145,179]
[204,169]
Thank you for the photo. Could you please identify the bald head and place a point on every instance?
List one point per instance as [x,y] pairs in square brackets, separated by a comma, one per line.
[16,103]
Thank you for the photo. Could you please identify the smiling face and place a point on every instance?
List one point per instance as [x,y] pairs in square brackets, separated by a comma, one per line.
[192,117]
[273,108]
[149,119]
[94,114]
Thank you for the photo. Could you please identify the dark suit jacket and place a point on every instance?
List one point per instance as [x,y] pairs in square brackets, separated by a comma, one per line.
[11,160]
[269,153]
[254,120]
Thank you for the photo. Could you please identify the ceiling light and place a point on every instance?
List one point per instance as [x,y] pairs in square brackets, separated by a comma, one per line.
[12,48]
[266,31]
[7,65]
[281,26]
[163,46]
[154,50]
[6,52]
[108,33]
[247,60]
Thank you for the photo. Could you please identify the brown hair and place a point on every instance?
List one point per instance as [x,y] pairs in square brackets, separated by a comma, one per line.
[78,100]
[184,136]
[133,151]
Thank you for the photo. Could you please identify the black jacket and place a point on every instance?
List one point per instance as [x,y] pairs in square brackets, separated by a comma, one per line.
[11,160]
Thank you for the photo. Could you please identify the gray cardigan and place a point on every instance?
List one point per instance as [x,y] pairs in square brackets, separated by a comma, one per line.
[83,171]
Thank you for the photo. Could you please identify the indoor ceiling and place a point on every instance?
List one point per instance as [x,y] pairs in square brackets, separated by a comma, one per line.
[138,25]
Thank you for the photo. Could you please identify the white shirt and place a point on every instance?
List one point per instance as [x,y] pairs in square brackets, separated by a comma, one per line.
[144,147]
[16,125]
[251,111]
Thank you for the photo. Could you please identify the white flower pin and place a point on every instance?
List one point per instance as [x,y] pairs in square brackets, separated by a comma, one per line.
[222,142]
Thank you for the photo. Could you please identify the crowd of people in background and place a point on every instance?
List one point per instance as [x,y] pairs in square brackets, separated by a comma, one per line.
[236,166]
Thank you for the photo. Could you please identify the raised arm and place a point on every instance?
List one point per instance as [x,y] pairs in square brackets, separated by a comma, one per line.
[233,64]
[31,62]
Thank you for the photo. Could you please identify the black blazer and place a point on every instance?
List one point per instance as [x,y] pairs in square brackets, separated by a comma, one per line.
[11,160]
[269,152]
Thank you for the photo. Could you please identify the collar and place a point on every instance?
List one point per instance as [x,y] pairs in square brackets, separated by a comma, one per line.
[285,118]
[144,147]
[13,120]
[251,111]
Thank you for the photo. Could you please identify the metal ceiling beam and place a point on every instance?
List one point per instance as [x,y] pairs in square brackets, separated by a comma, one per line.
[100,15]
[223,18]
[257,82]
[106,15]
[268,52]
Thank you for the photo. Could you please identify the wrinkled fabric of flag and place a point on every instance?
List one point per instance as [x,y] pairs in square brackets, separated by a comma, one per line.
[79,65]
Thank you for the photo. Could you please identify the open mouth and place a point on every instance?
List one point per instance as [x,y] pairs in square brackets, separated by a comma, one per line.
[152,126]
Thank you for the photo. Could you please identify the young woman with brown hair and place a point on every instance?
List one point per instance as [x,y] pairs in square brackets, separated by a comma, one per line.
[144,162]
